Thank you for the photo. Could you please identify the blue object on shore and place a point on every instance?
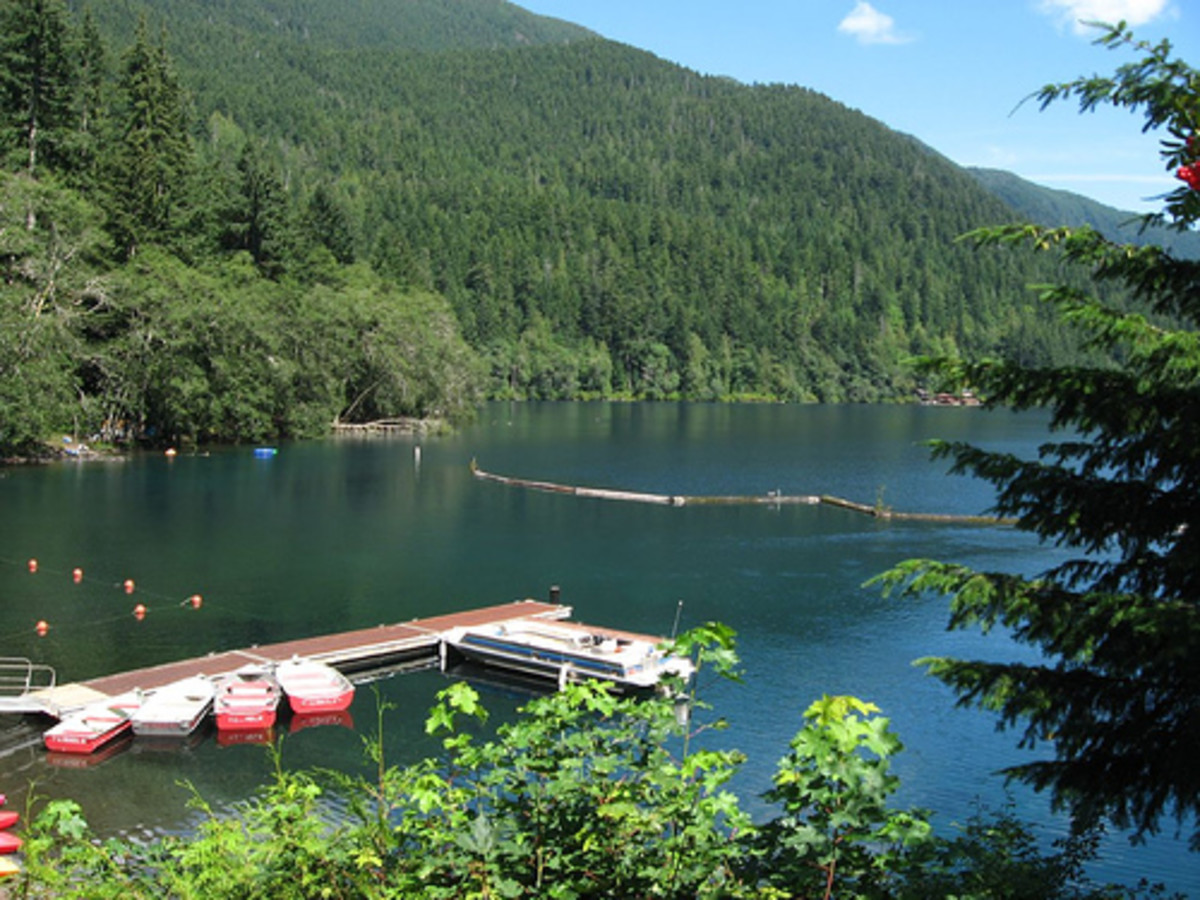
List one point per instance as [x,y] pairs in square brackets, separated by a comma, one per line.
[264,452]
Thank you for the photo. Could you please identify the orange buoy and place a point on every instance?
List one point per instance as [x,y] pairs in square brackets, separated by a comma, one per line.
[41,627]
[77,575]
[129,585]
[196,600]
[139,611]
[33,565]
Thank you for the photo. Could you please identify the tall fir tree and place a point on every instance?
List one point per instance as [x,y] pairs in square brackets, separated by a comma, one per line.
[35,83]
[258,217]
[1115,692]
[91,101]
[146,173]
[326,224]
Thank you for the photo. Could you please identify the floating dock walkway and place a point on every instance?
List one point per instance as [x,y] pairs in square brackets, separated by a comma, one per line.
[359,651]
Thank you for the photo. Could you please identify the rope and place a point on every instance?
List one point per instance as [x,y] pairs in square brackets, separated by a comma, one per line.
[154,604]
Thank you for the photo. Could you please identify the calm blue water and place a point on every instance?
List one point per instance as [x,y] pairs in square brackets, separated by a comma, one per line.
[350,533]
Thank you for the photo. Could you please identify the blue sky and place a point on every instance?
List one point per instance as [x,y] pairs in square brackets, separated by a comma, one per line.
[950,72]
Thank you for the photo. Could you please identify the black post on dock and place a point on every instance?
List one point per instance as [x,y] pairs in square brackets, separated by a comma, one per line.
[555,593]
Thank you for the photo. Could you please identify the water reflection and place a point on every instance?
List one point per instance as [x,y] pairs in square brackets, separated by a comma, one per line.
[347,534]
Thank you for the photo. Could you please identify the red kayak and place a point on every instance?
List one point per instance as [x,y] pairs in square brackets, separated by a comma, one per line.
[8,819]
[9,842]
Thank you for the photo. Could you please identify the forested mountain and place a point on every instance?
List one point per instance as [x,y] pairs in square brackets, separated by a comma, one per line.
[598,221]
[1046,206]
[347,25]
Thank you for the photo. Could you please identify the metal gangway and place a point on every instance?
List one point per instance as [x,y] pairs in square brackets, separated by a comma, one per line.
[21,680]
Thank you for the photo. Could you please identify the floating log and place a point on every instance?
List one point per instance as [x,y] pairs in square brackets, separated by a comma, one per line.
[597,493]
[773,498]
[880,512]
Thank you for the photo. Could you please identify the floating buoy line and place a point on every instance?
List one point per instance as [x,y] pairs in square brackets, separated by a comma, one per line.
[770,499]
[154,604]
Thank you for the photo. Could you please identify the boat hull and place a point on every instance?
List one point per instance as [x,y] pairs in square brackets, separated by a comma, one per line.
[569,653]
[94,727]
[311,706]
[246,700]
[175,710]
[169,727]
[232,720]
[314,688]
[532,661]
[72,739]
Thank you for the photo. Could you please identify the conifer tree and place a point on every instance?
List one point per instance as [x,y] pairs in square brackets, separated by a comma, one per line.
[35,82]
[1116,694]
[147,171]
[258,215]
[327,225]
[91,106]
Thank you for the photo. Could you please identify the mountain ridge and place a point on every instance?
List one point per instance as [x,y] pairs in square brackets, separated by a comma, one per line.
[1051,207]
[348,25]
[602,220]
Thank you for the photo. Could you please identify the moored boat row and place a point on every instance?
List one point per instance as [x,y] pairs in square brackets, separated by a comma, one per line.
[246,700]
[527,638]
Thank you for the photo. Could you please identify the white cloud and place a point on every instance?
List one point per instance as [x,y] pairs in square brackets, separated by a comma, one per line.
[1076,12]
[868,25]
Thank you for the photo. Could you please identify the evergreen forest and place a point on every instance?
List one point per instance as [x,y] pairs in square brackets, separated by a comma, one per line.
[237,221]
[272,216]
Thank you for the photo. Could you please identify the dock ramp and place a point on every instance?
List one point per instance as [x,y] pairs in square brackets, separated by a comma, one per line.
[21,682]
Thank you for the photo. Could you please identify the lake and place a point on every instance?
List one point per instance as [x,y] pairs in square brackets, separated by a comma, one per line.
[349,533]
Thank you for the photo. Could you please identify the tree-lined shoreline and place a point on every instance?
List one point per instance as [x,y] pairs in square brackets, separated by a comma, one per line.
[215,229]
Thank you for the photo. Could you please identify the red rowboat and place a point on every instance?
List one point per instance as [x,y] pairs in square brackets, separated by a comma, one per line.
[314,687]
[8,819]
[247,699]
[94,726]
[9,842]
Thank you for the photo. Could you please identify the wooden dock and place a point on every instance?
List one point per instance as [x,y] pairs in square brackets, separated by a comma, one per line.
[350,651]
